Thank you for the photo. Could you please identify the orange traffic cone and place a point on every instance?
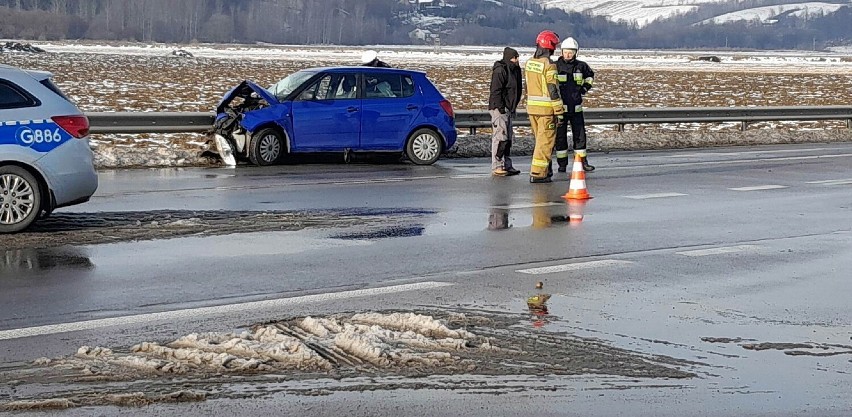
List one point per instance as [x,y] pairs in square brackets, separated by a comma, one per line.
[577,188]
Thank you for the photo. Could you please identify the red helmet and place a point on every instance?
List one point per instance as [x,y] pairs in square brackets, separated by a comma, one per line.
[547,40]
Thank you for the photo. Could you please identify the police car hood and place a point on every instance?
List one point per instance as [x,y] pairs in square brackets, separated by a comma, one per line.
[244,88]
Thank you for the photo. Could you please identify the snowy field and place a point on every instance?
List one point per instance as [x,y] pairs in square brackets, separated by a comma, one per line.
[141,77]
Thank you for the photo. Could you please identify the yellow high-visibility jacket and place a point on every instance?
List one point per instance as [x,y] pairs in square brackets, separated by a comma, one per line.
[543,97]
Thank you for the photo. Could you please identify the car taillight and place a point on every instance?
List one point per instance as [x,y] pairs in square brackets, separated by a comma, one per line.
[448,107]
[77,126]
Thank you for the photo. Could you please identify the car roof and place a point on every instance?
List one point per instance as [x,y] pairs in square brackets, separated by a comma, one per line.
[362,69]
[38,75]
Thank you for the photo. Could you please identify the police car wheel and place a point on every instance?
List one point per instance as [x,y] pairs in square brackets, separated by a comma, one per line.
[266,147]
[20,199]
[424,147]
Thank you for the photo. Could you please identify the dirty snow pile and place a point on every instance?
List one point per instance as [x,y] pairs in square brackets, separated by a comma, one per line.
[305,344]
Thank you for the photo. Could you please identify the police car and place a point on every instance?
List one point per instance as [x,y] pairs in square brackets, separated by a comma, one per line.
[45,159]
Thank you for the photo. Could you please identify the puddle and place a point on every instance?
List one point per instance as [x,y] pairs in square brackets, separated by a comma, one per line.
[20,262]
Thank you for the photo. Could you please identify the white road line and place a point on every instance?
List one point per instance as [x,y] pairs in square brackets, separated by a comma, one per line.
[468,176]
[528,206]
[758,188]
[730,162]
[573,267]
[222,310]
[658,195]
[832,182]
[720,251]
[689,155]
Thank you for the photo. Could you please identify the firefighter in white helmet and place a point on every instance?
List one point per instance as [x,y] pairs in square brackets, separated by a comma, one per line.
[575,80]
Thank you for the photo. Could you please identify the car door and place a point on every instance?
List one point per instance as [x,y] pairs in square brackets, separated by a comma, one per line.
[389,108]
[327,114]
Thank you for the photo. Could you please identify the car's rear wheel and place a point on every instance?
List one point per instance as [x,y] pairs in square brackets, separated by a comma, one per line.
[424,147]
[266,147]
[20,199]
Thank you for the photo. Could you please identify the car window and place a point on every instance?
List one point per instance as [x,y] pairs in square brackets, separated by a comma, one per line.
[52,87]
[346,87]
[283,88]
[13,97]
[319,90]
[379,85]
[407,86]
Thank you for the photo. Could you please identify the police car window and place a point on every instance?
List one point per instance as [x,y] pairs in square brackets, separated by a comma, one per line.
[13,97]
[384,86]
[52,87]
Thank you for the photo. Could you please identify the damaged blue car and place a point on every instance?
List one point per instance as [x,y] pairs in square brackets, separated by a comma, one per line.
[336,110]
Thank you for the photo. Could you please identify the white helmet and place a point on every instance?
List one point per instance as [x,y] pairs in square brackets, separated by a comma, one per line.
[570,43]
[369,56]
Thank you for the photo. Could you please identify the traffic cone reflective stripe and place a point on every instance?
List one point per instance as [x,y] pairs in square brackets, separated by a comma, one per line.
[577,188]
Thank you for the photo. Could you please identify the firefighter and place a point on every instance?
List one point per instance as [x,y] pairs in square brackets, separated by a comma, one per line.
[575,80]
[544,105]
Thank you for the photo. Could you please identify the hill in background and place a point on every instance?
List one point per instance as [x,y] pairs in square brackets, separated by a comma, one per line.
[633,24]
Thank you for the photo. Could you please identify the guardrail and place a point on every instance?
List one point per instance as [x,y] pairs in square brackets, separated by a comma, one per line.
[175,122]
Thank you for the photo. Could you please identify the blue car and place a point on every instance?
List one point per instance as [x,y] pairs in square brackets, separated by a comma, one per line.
[45,159]
[341,109]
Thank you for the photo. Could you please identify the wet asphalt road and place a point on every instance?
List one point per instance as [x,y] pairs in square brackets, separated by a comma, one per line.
[695,254]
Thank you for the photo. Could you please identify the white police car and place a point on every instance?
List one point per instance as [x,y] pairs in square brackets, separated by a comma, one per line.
[45,159]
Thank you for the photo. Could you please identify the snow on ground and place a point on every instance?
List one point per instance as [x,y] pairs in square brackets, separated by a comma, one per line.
[307,344]
[769,13]
[452,56]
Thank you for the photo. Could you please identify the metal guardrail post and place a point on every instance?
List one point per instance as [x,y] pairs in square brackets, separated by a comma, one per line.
[743,126]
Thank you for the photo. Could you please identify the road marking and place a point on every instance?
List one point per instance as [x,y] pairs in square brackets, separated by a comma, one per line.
[468,176]
[222,310]
[689,155]
[832,182]
[730,162]
[658,195]
[573,267]
[720,251]
[527,206]
[758,188]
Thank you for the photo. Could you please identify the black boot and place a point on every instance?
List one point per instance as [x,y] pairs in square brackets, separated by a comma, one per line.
[563,164]
[586,166]
[534,180]
[550,170]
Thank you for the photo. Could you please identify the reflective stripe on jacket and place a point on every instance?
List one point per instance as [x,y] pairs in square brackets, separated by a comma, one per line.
[543,97]
[576,78]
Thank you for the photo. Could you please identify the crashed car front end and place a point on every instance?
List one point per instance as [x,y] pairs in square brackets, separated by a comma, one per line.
[243,111]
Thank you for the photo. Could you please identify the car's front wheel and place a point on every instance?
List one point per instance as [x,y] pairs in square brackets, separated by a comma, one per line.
[266,147]
[20,199]
[424,147]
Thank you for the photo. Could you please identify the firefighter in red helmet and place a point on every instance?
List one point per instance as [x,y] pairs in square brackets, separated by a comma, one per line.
[544,104]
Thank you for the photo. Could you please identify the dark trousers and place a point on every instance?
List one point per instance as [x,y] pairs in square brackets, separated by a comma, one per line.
[578,133]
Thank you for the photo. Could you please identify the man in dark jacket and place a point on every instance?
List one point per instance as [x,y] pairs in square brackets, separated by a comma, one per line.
[575,80]
[503,101]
